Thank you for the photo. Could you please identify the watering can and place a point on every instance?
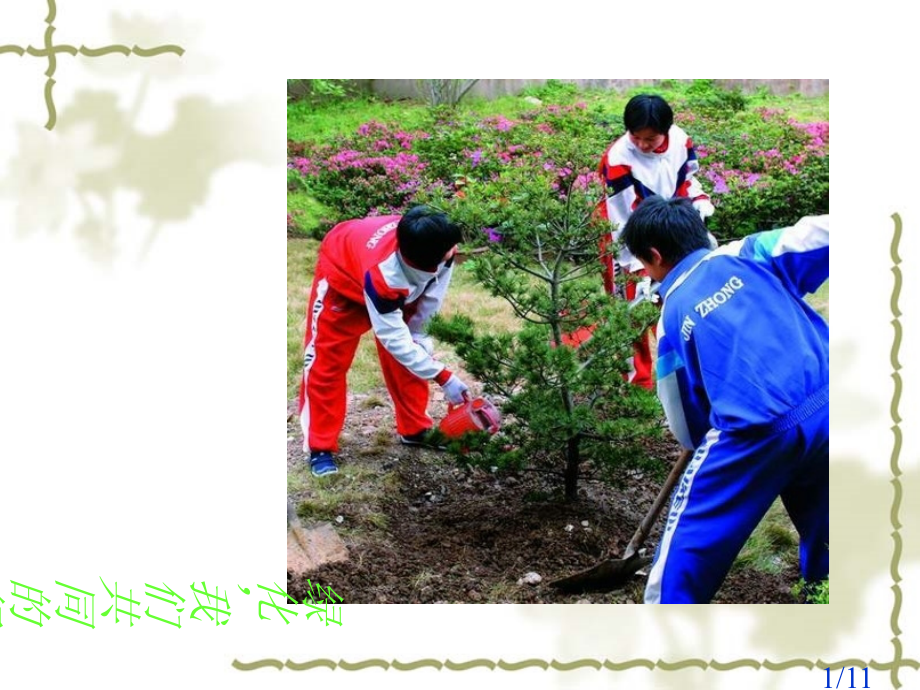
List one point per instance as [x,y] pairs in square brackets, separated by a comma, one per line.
[477,414]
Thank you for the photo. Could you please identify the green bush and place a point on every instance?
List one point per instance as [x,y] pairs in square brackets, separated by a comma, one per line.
[761,168]
[704,97]
[813,593]
[553,91]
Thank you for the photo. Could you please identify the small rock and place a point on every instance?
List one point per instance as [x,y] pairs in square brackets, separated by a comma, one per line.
[474,595]
[583,601]
[530,579]
[290,438]
[413,509]
[493,469]
[569,528]
[585,523]
[339,519]
[533,100]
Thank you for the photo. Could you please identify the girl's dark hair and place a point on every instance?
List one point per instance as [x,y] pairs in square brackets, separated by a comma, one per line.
[425,236]
[648,111]
[672,226]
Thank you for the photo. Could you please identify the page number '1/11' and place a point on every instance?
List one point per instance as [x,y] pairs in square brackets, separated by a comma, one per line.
[853,678]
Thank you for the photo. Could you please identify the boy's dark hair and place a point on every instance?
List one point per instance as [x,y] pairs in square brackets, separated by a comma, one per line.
[672,226]
[425,236]
[648,111]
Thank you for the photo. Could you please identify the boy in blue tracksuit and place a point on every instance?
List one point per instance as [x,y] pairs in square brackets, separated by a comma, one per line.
[743,378]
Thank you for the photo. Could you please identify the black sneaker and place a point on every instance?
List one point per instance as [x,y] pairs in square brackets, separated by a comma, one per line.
[427,438]
[322,463]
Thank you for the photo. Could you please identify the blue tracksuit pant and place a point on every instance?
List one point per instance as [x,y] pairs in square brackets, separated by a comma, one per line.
[731,482]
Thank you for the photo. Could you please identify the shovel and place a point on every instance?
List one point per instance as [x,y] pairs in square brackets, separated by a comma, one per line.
[616,572]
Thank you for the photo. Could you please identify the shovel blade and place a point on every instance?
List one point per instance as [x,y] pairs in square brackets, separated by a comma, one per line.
[603,577]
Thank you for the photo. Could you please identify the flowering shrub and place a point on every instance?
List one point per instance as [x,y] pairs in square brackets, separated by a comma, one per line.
[761,168]
[373,172]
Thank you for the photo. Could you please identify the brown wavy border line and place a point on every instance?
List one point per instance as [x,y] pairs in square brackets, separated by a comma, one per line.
[50,51]
[896,450]
[577,664]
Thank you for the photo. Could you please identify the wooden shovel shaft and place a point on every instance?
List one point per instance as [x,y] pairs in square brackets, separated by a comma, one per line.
[649,520]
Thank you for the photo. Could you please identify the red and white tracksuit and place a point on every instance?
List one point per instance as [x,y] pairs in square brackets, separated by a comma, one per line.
[363,283]
[629,176]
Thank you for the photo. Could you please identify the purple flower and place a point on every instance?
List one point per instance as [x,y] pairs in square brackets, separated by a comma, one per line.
[492,234]
[582,182]
[720,186]
[499,122]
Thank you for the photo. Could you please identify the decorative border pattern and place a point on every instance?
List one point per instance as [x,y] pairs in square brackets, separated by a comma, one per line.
[893,666]
[555,665]
[50,51]
[896,451]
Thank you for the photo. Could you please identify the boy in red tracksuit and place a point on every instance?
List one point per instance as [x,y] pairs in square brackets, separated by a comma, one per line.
[389,274]
[654,157]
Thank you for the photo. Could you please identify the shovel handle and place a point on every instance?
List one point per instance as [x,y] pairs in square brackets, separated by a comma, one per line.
[646,525]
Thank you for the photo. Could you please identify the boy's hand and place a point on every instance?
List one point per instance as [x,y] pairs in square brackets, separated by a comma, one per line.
[644,291]
[455,390]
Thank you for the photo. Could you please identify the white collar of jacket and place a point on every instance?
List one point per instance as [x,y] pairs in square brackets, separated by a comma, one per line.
[419,275]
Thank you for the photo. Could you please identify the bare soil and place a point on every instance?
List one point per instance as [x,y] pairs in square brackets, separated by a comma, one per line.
[429,530]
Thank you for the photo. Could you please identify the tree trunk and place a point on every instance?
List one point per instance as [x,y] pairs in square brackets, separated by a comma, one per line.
[572,461]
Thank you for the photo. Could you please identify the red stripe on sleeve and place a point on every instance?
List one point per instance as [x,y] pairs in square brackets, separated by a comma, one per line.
[617,171]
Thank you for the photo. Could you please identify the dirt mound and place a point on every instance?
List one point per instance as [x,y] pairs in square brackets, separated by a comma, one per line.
[429,531]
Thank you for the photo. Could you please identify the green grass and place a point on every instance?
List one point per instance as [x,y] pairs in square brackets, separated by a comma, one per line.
[352,493]
[773,546]
[320,123]
[306,210]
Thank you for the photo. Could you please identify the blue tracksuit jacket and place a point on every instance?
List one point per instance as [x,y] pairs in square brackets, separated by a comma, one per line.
[743,378]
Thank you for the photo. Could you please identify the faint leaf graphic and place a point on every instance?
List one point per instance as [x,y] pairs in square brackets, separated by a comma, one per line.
[850,407]
[47,167]
[96,150]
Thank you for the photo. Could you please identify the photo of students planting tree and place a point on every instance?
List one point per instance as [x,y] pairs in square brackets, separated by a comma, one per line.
[551,456]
